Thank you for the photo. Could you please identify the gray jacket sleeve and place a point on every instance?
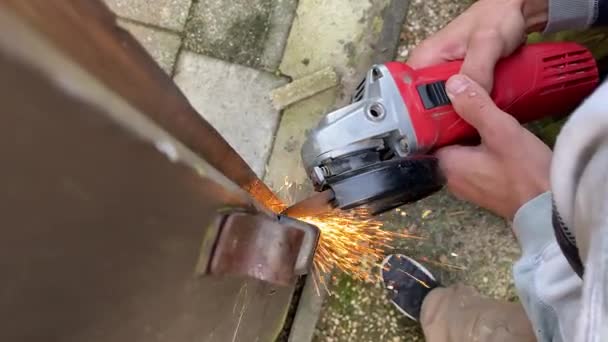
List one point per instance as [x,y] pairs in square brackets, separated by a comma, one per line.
[576,14]
[579,180]
[560,305]
[548,288]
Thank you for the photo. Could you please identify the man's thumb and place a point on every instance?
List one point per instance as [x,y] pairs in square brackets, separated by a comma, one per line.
[474,105]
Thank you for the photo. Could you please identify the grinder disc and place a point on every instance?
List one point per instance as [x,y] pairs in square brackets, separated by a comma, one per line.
[389,184]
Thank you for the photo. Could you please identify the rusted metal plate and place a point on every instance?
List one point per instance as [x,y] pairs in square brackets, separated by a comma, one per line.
[258,247]
[88,33]
[275,250]
[104,217]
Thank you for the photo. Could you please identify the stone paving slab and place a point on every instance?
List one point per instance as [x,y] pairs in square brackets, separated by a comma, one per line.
[297,120]
[235,100]
[283,13]
[344,34]
[247,32]
[235,32]
[338,25]
[169,14]
[161,45]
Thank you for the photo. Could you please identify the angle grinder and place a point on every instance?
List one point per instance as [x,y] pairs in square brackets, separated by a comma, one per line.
[377,152]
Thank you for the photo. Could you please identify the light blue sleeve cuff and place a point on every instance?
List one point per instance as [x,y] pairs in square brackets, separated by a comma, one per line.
[533,224]
[571,15]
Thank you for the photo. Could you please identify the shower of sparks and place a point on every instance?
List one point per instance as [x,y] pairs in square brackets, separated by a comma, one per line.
[350,241]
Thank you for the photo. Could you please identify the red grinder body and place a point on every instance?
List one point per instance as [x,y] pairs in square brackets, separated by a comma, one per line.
[537,81]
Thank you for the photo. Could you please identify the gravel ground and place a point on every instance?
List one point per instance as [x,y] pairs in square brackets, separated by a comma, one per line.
[460,242]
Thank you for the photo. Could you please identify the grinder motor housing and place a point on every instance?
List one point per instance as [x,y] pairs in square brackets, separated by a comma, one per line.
[375,152]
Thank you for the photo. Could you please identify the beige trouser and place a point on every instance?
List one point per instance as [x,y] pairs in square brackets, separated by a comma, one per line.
[460,314]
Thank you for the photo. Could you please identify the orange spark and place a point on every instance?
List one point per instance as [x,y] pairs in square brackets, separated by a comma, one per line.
[352,242]
[421,282]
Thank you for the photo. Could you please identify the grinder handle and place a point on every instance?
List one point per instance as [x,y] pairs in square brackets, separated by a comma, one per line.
[538,80]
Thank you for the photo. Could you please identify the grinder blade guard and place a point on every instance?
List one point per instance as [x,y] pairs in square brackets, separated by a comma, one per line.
[384,184]
[361,151]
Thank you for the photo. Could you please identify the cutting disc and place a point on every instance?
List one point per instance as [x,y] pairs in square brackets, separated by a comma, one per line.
[389,184]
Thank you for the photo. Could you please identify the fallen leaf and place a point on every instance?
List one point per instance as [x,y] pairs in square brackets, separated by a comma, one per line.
[426,213]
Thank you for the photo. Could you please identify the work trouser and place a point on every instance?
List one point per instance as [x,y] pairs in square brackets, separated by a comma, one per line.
[459,314]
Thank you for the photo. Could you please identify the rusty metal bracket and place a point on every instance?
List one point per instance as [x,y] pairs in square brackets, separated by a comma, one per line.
[275,249]
[309,243]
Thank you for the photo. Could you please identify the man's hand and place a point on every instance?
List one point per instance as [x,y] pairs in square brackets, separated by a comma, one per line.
[509,167]
[486,32]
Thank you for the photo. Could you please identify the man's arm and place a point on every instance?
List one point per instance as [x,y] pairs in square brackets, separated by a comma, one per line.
[550,291]
[548,288]
[510,166]
[508,174]
[503,176]
[579,180]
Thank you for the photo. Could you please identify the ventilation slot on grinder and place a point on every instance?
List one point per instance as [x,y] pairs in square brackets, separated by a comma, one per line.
[568,70]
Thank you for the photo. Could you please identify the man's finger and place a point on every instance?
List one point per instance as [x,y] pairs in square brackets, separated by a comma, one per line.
[457,163]
[452,158]
[475,106]
[427,54]
[483,52]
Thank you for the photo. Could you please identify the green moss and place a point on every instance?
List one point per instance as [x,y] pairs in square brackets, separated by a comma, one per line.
[377,24]
[242,42]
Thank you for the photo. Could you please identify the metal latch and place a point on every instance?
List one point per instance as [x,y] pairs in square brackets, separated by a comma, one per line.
[275,249]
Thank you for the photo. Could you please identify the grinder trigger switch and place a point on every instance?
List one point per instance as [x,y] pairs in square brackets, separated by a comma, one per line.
[433,95]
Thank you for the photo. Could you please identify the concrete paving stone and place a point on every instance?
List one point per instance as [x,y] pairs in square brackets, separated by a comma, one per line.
[235,100]
[235,32]
[161,45]
[283,12]
[296,122]
[170,14]
[338,33]
[248,32]
[308,312]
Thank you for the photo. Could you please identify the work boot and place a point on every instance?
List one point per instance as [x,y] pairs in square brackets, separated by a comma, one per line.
[408,283]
